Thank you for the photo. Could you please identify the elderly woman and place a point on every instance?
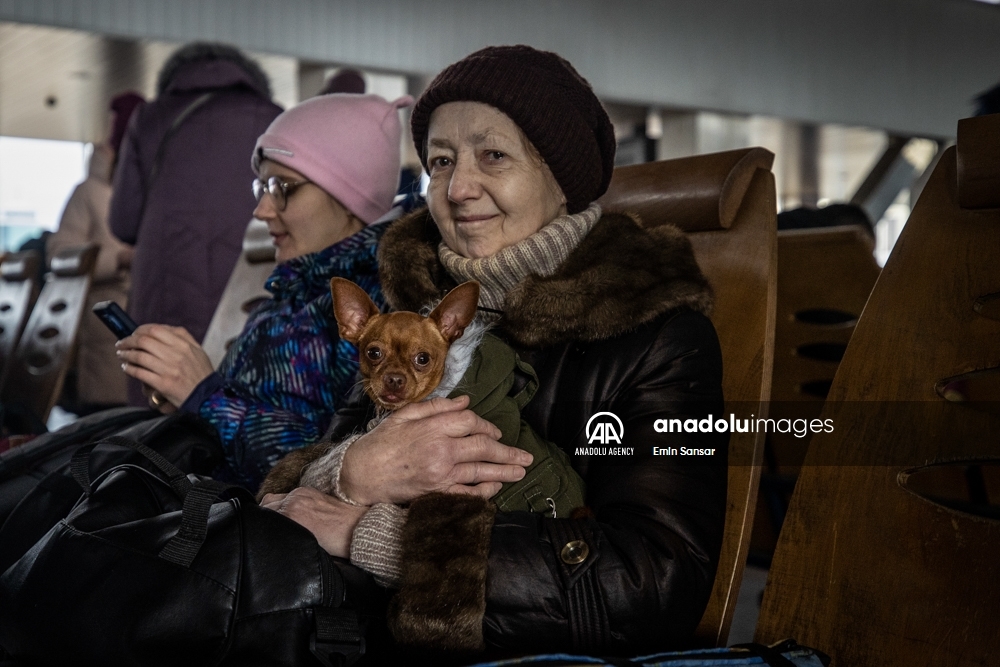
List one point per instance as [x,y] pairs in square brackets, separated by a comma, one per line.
[327,173]
[611,316]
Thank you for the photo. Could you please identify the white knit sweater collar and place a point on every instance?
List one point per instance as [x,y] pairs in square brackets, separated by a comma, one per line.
[540,254]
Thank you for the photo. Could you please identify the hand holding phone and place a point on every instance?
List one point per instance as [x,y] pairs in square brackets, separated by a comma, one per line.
[115,318]
[167,359]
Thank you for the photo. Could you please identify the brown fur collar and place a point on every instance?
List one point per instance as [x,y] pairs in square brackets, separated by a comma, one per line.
[442,600]
[287,473]
[619,277]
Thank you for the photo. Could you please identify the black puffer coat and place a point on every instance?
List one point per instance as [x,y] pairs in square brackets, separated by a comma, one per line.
[622,328]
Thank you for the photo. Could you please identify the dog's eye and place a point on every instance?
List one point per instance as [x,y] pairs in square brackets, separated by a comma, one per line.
[422,359]
[374,353]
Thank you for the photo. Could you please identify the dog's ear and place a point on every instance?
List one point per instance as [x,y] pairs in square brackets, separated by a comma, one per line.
[456,310]
[352,307]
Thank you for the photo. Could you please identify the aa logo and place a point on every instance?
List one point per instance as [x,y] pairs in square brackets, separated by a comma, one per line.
[605,428]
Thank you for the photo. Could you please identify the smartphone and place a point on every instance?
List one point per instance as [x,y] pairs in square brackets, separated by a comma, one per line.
[115,318]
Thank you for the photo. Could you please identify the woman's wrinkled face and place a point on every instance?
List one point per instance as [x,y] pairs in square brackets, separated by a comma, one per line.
[312,219]
[488,189]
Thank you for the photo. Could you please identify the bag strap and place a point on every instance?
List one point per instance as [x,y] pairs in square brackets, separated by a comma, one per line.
[80,464]
[162,148]
[339,639]
[198,498]
[182,548]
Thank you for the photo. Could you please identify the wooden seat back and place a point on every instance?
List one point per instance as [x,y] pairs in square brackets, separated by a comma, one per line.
[867,568]
[243,292]
[825,276]
[42,357]
[18,291]
[727,204]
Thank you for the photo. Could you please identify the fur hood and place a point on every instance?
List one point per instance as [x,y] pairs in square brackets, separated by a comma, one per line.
[207,66]
[619,277]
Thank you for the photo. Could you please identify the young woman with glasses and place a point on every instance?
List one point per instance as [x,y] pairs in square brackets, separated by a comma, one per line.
[327,172]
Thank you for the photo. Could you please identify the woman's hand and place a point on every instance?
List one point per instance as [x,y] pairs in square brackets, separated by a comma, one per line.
[166,359]
[157,401]
[331,521]
[434,445]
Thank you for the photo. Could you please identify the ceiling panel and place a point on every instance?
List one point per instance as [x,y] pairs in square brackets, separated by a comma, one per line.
[56,83]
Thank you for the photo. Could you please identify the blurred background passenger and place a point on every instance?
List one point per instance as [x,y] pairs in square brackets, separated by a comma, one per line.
[832,215]
[180,192]
[327,172]
[344,81]
[99,384]
[988,102]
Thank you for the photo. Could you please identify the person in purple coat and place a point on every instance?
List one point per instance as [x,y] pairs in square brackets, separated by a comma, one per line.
[180,189]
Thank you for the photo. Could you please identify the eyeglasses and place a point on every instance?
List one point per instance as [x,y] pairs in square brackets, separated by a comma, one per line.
[277,188]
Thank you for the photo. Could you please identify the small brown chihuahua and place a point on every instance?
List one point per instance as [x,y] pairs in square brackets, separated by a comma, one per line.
[401,355]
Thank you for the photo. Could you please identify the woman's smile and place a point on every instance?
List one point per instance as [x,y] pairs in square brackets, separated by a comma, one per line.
[470,219]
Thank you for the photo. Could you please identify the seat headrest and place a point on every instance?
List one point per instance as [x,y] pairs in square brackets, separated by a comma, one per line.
[978,162]
[698,193]
[75,261]
[20,265]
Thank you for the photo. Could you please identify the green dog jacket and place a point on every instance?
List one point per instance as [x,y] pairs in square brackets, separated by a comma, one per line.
[550,485]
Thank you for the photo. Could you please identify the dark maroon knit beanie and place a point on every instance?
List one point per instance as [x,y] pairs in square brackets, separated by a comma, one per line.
[344,81]
[552,104]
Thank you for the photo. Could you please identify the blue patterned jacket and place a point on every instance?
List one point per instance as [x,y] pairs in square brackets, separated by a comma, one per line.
[281,381]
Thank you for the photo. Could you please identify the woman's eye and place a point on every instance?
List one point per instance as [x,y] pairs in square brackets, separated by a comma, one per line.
[440,162]
[422,359]
[494,156]
[374,353]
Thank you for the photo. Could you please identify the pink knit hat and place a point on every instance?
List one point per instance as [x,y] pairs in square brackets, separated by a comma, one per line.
[346,144]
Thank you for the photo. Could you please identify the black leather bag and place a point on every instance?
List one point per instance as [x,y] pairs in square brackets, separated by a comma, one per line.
[166,569]
[37,488]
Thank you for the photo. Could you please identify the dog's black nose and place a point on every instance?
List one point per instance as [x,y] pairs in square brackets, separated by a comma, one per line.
[394,381]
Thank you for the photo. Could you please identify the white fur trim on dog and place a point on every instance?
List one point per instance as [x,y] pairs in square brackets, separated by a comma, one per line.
[459,357]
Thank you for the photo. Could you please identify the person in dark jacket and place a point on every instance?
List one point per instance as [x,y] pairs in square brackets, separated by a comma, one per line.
[327,172]
[612,316]
[180,188]
[988,102]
